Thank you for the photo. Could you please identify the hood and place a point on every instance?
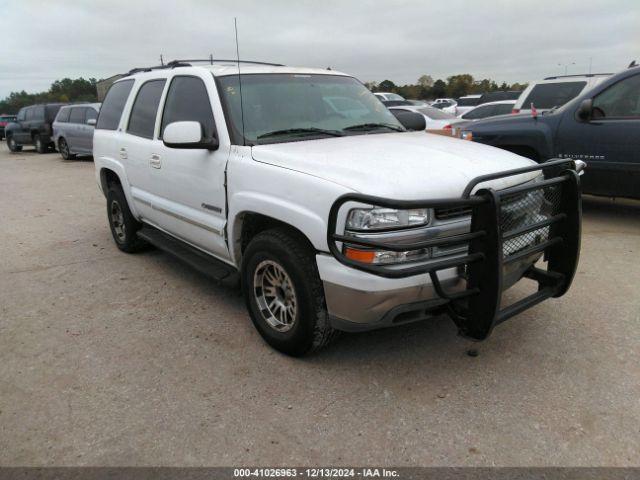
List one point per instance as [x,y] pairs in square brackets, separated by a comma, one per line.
[403,166]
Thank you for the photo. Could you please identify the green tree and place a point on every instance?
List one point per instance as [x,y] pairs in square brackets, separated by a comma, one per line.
[425,81]
[65,90]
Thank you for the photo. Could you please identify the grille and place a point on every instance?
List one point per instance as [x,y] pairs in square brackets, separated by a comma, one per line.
[523,209]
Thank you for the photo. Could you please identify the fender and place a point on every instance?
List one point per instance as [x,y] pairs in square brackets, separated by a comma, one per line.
[308,222]
[106,163]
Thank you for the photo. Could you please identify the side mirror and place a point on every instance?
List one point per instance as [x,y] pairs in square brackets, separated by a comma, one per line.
[410,120]
[187,135]
[92,122]
[585,110]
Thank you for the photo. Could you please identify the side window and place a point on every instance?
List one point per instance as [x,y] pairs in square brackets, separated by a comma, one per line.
[38,112]
[187,100]
[503,109]
[76,115]
[29,114]
[90,114]
[113,105]
[480,112]
[22,115]
[621,100]
[63,116]
[142,120]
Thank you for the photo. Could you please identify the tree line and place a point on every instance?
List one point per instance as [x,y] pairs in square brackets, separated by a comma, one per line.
[454,87]
[65,90]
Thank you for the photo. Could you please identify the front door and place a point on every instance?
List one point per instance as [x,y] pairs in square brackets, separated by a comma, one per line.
[188,185]
[609,142]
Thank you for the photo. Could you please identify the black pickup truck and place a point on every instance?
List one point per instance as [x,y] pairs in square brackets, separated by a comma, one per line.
[600,126]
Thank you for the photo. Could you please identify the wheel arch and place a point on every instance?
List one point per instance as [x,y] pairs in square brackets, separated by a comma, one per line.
[110,174]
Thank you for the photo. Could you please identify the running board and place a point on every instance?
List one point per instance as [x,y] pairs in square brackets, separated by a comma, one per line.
[204,263]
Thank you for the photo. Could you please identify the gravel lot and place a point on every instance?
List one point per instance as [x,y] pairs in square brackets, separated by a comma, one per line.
[115,359]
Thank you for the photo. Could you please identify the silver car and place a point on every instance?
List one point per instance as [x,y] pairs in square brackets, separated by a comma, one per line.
[73,129]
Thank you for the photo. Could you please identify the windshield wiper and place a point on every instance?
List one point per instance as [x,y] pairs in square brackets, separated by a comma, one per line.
[372,126]
[275,133]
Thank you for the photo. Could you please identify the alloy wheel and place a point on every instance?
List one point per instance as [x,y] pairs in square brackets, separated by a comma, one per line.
[275,295]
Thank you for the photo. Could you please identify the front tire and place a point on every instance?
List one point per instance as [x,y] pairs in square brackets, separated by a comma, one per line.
[41,147]
[284,293]
[123,224]
[13,146]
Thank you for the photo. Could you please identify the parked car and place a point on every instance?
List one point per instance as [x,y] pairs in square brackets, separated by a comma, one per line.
[419,103]
[490,109]
[331,222]
[556,91]
[33,126]
[446,105]
[601,127]
[435,119]
[500,95]
[4,120]
[73,129]
[466,103]
[388,96]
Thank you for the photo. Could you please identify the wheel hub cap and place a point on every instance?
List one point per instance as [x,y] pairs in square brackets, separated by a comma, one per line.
[117,220]
[275,295]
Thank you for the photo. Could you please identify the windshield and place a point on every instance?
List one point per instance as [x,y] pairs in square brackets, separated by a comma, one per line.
[435,114]
[393,96]
[289,107]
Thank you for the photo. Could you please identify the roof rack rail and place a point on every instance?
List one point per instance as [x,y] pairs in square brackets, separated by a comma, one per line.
[187,63]
[577,75]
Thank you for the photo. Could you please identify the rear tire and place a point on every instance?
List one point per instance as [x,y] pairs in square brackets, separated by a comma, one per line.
[41,147]
[63,148]
[13,146]
[284,293]
[123,224]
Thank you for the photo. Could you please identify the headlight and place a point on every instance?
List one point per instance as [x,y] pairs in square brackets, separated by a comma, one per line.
[371,219]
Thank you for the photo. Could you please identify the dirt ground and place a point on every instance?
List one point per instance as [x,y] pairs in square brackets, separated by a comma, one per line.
[114,359]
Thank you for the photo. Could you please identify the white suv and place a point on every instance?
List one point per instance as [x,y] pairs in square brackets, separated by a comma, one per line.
[300,183]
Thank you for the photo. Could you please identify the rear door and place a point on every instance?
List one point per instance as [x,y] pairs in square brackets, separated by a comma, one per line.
[609,142]
[86,138]
[19,132]
[76,119]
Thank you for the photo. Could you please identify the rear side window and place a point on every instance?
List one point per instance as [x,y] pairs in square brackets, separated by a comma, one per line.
[22,114]
[38,112]
[480,112]
[77,115]
[29,114]
[113,105]
[549,95]
[63,116]
[90,114]
[142,120]
[52,111]
[187,100]
[503,109]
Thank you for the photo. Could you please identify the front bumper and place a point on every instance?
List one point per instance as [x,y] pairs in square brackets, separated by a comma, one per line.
[501,248]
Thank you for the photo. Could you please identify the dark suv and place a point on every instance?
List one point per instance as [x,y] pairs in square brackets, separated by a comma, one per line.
[601,127]
[33,126]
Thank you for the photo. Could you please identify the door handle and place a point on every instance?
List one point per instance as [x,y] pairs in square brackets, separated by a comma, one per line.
[155,161]
[123,153]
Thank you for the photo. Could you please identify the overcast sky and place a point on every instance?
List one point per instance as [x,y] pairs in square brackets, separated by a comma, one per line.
[400,40]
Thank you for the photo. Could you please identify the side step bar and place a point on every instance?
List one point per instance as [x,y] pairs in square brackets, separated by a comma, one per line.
[205,264]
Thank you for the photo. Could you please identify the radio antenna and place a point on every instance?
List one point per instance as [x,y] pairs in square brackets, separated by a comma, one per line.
[235,24]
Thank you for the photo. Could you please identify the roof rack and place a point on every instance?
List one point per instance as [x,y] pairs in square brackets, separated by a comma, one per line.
[577,75]
[188,63]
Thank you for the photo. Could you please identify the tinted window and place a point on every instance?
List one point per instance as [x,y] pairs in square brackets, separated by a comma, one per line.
[77,115]
[113,105]
[503,109]
[38,112]
[63,116]
[29,114]
[468,102]
[22,114]
[90,113]
[480,112]
[52,111]
[142,120]
[549,95]
[187,100]
[620,100]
